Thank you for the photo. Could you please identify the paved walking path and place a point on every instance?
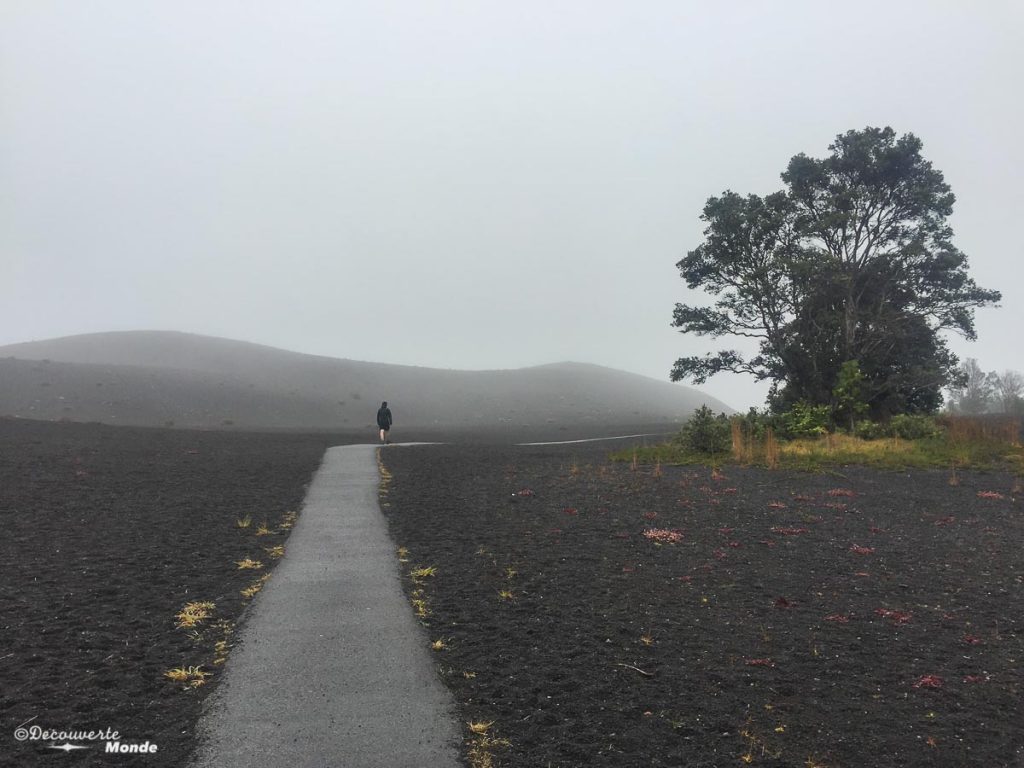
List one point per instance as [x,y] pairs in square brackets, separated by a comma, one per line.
[332,670]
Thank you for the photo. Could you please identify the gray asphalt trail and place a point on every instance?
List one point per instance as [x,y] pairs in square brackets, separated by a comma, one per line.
[331,668]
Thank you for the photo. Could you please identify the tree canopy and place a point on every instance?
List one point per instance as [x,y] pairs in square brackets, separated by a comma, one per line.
[852,261]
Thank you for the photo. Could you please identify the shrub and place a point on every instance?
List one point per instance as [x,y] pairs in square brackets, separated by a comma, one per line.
[914,427]
[870,430]
[706,433]
[903,426]
[804,420]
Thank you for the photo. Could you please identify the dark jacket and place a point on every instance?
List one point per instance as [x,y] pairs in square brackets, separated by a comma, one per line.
[384,418]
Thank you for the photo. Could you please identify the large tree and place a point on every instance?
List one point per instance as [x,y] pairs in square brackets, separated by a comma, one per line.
[852,261]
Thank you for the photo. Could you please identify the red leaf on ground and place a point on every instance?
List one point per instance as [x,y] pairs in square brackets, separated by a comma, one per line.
[841,492]
[790,531]
[735,544]
[928,681]
[898,617]
[990,495]
[759,662]
[975,678]
[525,492]
[726,531]
[783,603]
[838,618]
[874,529]
[663,534]
[948,520]
[862,550]
[571,511]
[650,515]
[686,578]
[803,498]
[862,574]
[768,542]
[776,505]
[719,554]
[972,639]
[728,490]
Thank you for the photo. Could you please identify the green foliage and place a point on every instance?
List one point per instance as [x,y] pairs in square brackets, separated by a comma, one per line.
[914,427]
[871,430]
[797,271]
[756,423]
[848,394]
[706,433]
[804,420]
[904,426]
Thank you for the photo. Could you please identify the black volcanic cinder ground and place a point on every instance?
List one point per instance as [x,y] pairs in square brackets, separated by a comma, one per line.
[105,534]
[686,618]
[857,619]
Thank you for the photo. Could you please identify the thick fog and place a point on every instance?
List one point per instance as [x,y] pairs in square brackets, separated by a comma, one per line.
[462,184]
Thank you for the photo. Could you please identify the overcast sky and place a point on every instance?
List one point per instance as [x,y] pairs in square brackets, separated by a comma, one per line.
[463,184]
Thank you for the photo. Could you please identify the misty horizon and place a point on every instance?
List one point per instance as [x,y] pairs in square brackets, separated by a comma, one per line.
[481,187]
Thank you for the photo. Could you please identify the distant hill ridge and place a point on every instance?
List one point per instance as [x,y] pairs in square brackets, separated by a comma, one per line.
[153,378]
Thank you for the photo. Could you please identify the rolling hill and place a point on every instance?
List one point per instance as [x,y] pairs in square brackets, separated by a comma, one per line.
[163,378]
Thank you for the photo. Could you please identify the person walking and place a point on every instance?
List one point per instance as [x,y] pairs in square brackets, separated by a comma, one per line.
[384,421]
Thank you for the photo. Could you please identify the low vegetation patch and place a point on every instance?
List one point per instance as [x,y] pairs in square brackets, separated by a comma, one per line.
[799,441]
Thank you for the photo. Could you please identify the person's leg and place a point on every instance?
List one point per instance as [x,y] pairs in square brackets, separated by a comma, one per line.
[382,434]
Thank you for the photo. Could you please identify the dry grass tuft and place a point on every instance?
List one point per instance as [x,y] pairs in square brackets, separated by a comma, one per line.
[771,450]
[244,522]
[249,563]
[193,613]
[194,676]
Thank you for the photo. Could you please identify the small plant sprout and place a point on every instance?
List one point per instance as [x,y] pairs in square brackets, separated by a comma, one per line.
[403,555]
[275,552]
[506,594]
[438,645]
[420,607]
[480,728]
[422,573]
[510,573]
[255,587]
[647,640]
[244,522]
[264,529]
[249,563]
[193,613]
[194,676]
[289,520]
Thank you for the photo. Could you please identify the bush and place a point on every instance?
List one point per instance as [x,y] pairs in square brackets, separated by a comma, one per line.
[706,433]
[870,430]
[804,420]
[903,426]
[914,427]
[755,424]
